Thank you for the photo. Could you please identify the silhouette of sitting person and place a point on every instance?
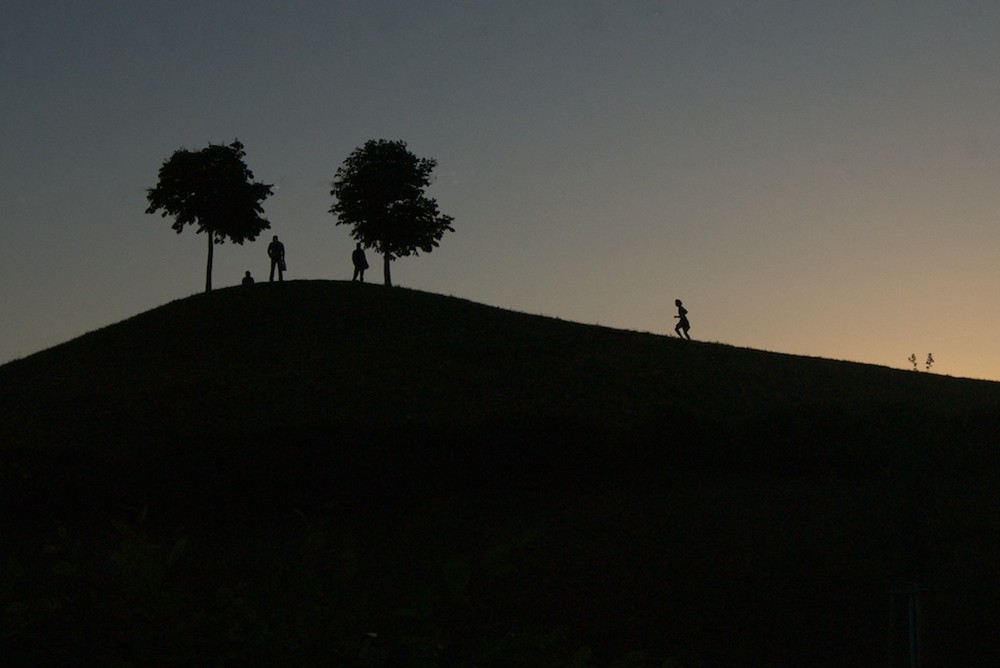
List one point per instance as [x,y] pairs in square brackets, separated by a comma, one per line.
[682,321]
[276,251]
[360,263]
[247,279]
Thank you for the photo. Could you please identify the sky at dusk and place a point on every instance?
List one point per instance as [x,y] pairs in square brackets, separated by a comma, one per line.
[809,177]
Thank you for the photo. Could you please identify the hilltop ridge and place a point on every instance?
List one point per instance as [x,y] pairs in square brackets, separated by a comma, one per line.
[316,365]
[266,475]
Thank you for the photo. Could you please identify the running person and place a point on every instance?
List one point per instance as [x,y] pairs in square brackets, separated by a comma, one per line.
[682,321]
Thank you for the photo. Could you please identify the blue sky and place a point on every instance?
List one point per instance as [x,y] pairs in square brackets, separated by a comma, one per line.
[809,177]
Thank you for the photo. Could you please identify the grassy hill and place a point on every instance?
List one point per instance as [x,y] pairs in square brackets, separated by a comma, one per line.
[318,471]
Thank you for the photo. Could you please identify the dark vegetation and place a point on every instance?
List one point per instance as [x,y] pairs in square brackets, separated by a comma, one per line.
[320,473]
[213,190]
[379,193]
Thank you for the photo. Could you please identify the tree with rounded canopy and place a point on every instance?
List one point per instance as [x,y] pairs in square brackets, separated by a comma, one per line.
[379,190]
[214,190]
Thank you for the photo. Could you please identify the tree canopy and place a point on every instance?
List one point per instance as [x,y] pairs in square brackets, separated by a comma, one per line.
[214,190]
[379,191]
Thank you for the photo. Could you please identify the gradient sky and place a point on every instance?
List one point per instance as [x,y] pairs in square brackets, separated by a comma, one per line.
[810,177]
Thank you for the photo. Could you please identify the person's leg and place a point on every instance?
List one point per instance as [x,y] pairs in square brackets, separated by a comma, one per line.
[273,264]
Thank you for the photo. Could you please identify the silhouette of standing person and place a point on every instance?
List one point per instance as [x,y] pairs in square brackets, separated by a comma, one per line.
[360,263]
[276,251]
[247,279]
[682,321]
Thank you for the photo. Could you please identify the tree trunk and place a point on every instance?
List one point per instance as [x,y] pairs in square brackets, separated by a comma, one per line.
[208,272]
[388,279]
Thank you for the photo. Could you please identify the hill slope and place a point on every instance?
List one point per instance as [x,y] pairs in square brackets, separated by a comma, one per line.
[523,486]
[315,366]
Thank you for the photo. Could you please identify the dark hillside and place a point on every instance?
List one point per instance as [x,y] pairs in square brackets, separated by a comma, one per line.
[324,373]
[486,487]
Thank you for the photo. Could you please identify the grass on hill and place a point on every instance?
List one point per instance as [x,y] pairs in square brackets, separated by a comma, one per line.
[271,475]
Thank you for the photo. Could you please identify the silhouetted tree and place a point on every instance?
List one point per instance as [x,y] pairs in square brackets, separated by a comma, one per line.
[213,189]
[379,190]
